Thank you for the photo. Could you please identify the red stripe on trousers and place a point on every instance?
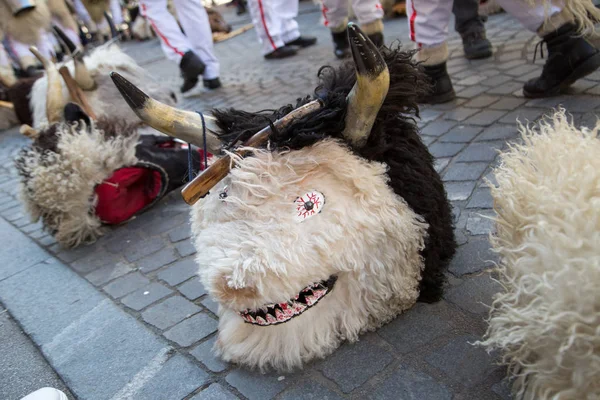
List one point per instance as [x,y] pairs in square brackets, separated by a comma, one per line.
[324,11]
[159,33]
[262,18]
[412,21]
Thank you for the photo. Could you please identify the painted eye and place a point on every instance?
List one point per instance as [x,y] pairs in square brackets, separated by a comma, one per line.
[223,194]
[308,204]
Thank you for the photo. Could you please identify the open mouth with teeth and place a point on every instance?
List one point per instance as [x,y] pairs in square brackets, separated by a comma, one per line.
[273,314]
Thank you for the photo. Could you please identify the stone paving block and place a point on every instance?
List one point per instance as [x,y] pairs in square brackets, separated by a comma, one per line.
[121,239]
[429,114]
[70,255]
[463,362]
[496,80]
[21,222]
[145,296]
[485,118]
[184,231]
[32,227]
[472,79]
[407,383]
[438,128]
[177,378]
[481,223]
[212,305]
[192,330]
[460,237]
[451,105]
[37,234]
[16,216]
[185,248]
[157,260]
[503,390]
[481,151]
[522,70]
[418,326]
[507,103]
[428,140]
[179,272]
[310,390]
[461,134]
[470,92]
[94,260]
[511,64]
[524,115]
[126,284]
[459,190]
[580,103]
[192,289]
[47,240]
[143,249]
[441,163]
[506,88]
[498,132]
[482,198]
[353,364]
[107,273]
[9,205]
[257,386]
[460,113]
[215,392]
[473,257]
[205,354]
[465,171]
[169,312]
[166,223]
[445,149]
[18,251]
[474,294]
[482,101]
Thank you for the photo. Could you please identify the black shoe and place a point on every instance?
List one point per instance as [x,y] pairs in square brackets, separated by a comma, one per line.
[376,38]
[476,45]
[442,90]
[341,46]
[191,67]
[212,83]
[570,57]
[281,52]
[303,41]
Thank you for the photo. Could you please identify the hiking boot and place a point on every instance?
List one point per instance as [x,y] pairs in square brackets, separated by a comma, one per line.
[341,46]
[191,67]
[442,90]
[376,38]
[303,41]
[476,45]
[212,83]
[570,57]
[281,52]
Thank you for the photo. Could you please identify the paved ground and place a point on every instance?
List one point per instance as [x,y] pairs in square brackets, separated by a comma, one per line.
[144,324]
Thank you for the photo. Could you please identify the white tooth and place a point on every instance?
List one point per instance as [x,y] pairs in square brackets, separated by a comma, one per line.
[261,321]
[310,300]
[271,319]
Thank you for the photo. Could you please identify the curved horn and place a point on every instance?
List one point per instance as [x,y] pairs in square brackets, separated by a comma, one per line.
[111,24]
[82,74]
[184,125]
[71,48]
[369,91]
[54,98]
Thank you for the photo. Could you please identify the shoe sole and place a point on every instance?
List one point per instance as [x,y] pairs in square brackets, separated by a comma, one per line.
[479,55]
[587,67]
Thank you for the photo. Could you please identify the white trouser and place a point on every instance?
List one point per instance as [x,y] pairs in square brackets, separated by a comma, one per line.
[71,34]
[116,12]
[335,12]
[82,12]
[194,20]
[274,21]
[428,19]
[26,58]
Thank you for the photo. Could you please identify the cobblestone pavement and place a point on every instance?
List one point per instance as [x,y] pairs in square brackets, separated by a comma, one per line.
[147,266]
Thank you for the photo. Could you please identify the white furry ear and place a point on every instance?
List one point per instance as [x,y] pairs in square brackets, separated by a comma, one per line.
[29,131]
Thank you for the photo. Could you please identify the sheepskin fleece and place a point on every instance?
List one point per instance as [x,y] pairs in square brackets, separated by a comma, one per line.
[252,251]
[547,321]
[27,27]
[106,100]
[80,160]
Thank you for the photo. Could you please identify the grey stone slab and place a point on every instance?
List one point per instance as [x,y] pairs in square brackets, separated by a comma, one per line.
[177,378]
[47,240]
[474,294]
[70,255]
[32,227]
[18,252]
[465,171]
[418,327]
[485,118]
[507,103]
[169,312]
[481,223]
[407,383]
[257,386]
[192,289]
[523,115]
[94,260]
[205,354]
[522,70]
[460,113]
[179,272]
[482,198]
[503,389]
[496,80]
[192,330]
[462,362]
[445,149]
[310,390]
[185,248]
[145,296]
[482,101]
[354,364]
[506,88]
[215,392]
[157,260]
[429,114]
[481,151]
[461,134]
[472,79]
[212,305]
[121,239]
[143,249]
[498,132]
[180,233]
[428,140]
[438,128]
[107,273]
[457,191]
[126,284]
[165,224]
[473,257]
[441,163]
[470,92]
[460,237]
[511,64]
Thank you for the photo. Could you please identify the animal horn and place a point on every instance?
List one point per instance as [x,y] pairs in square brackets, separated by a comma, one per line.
[71,48]
[54,98]
[369,91]
[184,125]
[82,75]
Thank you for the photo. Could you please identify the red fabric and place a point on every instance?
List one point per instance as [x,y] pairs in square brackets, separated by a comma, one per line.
[262,18]
[125,193]
[164,39]
[413,35]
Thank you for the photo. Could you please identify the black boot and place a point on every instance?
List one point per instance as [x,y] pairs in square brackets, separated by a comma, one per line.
[341,46]
[376,38]
[476,45]
[570,57]
[191,67]
[442,90]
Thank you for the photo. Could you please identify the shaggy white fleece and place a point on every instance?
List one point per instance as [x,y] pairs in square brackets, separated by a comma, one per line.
[252,251]
[547,321]
[106,100]
[85,159]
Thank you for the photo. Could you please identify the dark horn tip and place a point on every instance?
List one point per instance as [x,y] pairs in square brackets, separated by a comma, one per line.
[132,95]
[64,38]
[367,58]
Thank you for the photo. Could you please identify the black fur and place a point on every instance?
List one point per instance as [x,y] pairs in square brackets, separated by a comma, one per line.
[394,140]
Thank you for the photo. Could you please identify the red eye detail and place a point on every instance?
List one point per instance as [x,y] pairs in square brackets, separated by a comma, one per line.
[308,205]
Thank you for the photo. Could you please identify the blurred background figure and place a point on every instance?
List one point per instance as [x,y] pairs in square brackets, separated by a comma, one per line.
[470,26]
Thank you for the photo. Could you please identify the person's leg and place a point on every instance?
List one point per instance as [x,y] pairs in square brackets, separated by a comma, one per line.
[268,28]
[7,73]
[194,20]
[370,18]
[470,25]
[571,56]
[428,22]
[335,17]
[116,12]
[174,43]
[27,61]
[290,33]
